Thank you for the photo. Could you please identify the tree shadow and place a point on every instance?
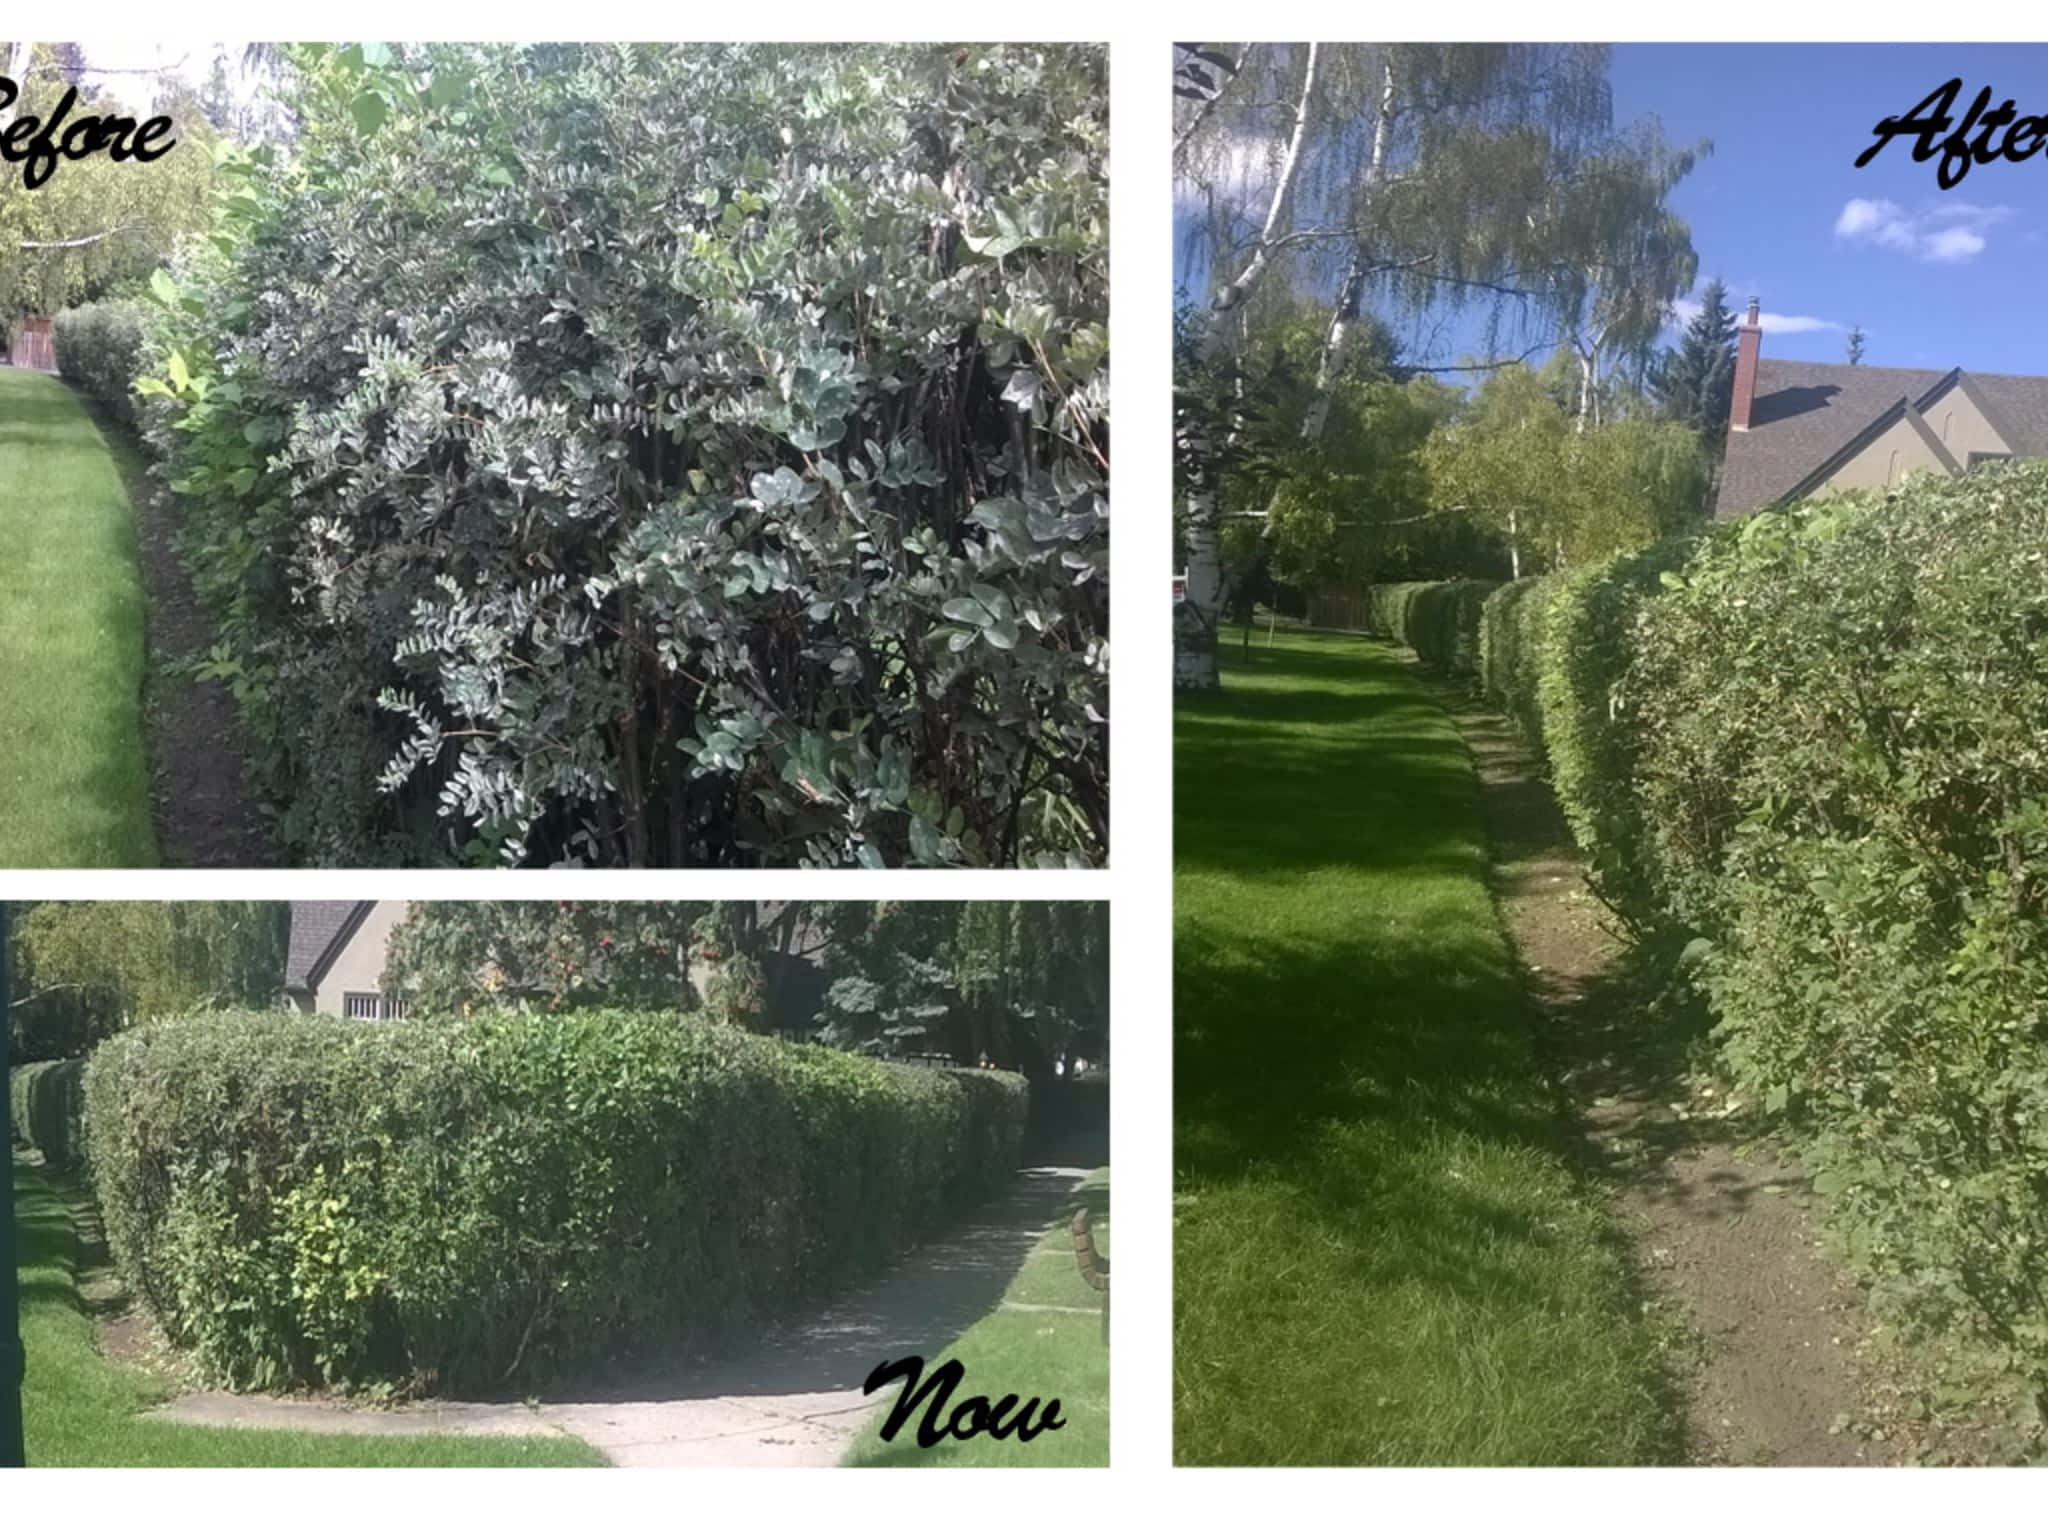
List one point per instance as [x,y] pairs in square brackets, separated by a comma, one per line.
[919,1306]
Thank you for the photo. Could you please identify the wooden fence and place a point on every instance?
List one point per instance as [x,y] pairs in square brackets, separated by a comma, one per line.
[32,347]
[1337,608]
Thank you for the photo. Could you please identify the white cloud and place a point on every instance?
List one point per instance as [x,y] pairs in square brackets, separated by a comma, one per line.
[1948,233]
[1683,310]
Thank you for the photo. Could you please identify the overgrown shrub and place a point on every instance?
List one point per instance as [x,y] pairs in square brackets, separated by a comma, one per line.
[46,1106]
[1438,620]
[1845,776]
[646,454]
[509,1197]
[1513,626]
[1591,740]
[99,350]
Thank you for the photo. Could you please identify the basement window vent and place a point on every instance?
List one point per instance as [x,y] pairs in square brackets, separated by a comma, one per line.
[372,1005]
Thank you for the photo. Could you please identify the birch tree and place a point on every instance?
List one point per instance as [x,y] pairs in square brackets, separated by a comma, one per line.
[1411,174]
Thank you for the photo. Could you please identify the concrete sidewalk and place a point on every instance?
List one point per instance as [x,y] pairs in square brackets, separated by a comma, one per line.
[795,1402]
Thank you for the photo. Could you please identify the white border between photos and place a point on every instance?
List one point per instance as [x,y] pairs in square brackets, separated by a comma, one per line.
[1141,1493]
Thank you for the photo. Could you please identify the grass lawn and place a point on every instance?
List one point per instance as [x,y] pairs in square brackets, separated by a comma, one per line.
[1383,1253]
[74,780]
[81,1409]
[1046,1354]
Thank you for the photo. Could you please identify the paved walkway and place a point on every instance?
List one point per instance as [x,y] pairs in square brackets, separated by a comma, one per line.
[796,1402]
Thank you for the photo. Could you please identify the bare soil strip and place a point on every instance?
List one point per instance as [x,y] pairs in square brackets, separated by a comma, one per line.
[1722,1226]
[205,816]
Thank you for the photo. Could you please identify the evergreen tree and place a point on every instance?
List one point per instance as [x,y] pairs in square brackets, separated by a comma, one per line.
[1694,380]
[1855,346]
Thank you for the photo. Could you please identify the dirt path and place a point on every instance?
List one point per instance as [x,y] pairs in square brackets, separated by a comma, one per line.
[205,816]
[1722,1225]
[797,1401]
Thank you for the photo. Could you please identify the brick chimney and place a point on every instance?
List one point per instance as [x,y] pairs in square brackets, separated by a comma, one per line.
[1748,341]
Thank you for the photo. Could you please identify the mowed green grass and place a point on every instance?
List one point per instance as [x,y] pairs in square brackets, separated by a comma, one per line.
[74,778]
[80,1410]
[1383,1253]
[1042,1354]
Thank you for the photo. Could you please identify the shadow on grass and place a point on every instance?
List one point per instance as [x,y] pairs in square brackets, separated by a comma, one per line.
[1384,1250]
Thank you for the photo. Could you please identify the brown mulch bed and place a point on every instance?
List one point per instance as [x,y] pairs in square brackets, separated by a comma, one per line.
[205,815]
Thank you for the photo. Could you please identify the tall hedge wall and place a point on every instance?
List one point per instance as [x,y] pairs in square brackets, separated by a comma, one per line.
[510,1196]
[1843,772]
[1590,738]
[659,455]
[99,350]
[1512,627]
[45,1108]
[1438,620]
[1814,746]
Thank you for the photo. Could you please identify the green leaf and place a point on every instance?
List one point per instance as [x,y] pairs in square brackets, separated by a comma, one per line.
[369,110]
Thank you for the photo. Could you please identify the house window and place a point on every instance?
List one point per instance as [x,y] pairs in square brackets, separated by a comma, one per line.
[372,1005]
[1985,458]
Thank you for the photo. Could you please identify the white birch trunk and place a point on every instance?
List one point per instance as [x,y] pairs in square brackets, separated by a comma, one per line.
[1352,288]
[1235,293]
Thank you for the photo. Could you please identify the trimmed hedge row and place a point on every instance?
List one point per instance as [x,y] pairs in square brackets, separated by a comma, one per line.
[99,350]
[1550,652]
[1512,624]
[510,1196]
[1583,694]
[1842,769]
[1438,620]
[45,1108]
[1814,746]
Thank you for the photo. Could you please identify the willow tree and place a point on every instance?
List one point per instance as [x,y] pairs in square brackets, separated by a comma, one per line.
[91,968]
[1016,984]
[1627,255]
[97,223]
[1415,175]
[1444,179]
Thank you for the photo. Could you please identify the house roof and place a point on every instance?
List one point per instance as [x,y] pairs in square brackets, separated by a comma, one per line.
[1805,415]
[319,931]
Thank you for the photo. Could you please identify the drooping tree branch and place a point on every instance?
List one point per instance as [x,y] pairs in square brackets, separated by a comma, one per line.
[1194,124]
[79,241]
[1234,293]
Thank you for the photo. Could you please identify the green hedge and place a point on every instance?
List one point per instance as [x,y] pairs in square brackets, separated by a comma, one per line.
[1438,620]
[1590,738]
[45,1108]
[1843,713]
[99,350]
[1512,624]
[1814,746]
[511,1196]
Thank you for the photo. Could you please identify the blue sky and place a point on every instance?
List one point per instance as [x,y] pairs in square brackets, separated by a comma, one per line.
[1779,210]
[1934,278]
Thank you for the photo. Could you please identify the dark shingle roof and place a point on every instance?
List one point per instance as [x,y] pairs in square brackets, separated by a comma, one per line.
[319,928]
[1805,413]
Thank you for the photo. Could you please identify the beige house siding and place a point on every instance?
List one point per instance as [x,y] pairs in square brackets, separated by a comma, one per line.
[1962,427]
[360,965]
[1886,460]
